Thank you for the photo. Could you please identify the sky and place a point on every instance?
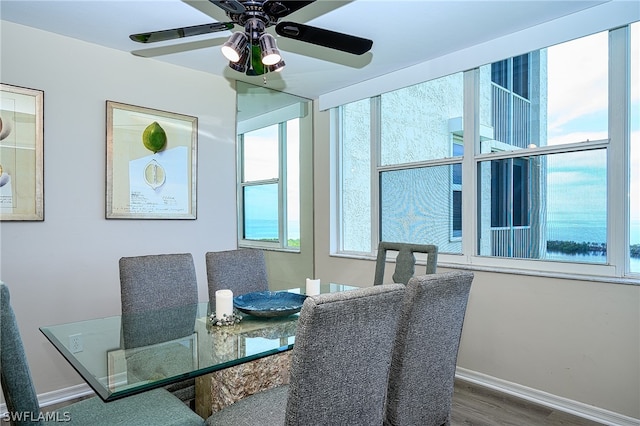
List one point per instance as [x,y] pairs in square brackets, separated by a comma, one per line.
[261,162]
[577,111]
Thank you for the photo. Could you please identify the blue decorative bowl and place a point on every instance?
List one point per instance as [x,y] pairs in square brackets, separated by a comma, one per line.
[269,303]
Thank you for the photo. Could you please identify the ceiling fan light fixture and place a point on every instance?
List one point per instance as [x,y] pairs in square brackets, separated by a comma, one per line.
[276,67]
[234,48]
[270,53]
[242,64]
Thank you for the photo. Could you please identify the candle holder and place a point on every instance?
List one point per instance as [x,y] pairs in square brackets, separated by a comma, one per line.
[226,320]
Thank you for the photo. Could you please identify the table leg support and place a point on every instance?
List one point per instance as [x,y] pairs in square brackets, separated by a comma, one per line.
[216,390]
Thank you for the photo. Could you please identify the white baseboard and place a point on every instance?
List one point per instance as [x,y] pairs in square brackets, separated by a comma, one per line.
[566,405]
[64,395]
[58,396]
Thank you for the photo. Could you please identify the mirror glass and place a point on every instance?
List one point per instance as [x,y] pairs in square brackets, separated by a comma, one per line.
[275,181]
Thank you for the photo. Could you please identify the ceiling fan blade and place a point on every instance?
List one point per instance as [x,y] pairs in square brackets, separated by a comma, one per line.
[163,35]
[231,6]
[321,37]
[151,52]
[323,54]
[280,9]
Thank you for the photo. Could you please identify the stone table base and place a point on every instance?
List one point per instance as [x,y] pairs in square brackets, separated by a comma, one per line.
[216,390]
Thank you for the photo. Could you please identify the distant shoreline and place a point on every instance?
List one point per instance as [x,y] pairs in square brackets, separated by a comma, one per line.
[572,247]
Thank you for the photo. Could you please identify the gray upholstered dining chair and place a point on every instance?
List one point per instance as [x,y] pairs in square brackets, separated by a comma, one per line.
[405,260]
[157,407]
[339,367]
[159,296]
[425,352]
[241,271]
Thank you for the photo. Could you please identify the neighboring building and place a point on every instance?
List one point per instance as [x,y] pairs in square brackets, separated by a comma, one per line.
[514,208]
[420,139]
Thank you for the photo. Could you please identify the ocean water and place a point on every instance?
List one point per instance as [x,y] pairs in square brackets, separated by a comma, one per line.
[591,231]
[587,231]
[580,232]
[268,229]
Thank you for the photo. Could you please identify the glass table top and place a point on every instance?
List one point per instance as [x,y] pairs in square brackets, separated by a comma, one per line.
[122,355]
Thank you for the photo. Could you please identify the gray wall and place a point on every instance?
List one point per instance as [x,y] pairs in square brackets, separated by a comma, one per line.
[66,268]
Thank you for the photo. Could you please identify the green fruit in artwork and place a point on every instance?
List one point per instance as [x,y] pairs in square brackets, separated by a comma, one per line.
[154,138]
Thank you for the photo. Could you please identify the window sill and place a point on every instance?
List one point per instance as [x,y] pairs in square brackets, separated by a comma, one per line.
[515,270]
[270,248]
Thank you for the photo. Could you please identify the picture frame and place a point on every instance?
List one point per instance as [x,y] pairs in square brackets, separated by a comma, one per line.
[151,163]
[21,153]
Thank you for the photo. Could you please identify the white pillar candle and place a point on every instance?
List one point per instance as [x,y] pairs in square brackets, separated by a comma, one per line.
[313,287]
[224,303]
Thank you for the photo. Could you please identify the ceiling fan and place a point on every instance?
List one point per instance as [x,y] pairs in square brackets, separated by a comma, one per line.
[254,51]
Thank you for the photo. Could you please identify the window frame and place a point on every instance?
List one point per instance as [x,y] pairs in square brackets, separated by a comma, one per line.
[617,145]
[281,181]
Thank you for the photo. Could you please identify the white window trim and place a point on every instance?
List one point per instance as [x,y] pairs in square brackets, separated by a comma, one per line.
[617,267]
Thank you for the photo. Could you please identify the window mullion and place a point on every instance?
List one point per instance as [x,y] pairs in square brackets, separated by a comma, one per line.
[282,185]
[618,151]
[376,145]
[240,186]
[471,141]
[338,219]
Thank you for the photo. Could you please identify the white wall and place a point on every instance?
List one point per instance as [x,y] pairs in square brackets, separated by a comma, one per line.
[576,340]
[66,268]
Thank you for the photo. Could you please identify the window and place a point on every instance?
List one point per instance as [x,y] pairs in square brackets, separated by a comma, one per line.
[509,193]
[269,186]
[417,171]
[537,203]
[510,103]
[355,170]
[420,164]
[549,207]
[456,191]
[634,156]
[512,75]
[409,207]
[542,156]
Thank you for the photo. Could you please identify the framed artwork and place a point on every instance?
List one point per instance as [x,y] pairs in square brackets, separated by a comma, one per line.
[21,153]
[151,163]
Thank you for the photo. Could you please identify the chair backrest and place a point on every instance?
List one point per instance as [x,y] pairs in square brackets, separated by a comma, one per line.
[340,361]
[405,260]
[159,295]
[426,348]
[17,386]
[241,271]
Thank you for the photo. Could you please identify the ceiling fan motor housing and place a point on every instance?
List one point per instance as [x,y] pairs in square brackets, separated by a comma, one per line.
[254,28]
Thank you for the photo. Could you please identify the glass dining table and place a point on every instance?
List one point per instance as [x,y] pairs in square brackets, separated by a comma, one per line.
[120,356]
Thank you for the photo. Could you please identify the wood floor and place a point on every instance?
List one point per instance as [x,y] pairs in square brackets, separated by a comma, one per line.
[478,406]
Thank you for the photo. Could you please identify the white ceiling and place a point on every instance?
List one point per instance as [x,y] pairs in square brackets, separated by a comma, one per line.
[404,33]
